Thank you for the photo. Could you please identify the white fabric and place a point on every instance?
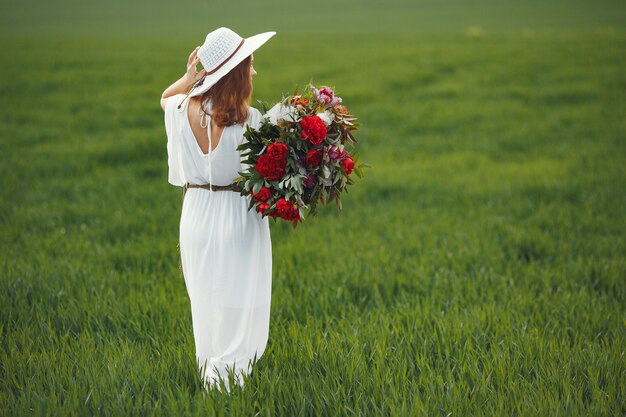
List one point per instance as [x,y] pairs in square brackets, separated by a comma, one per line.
[225,250]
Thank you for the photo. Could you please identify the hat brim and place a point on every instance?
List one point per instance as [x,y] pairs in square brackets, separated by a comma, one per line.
[250,45]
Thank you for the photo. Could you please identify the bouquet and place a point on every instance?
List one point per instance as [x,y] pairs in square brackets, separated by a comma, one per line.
[301,155]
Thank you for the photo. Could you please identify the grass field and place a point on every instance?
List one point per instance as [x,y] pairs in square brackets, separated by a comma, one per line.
[479,269]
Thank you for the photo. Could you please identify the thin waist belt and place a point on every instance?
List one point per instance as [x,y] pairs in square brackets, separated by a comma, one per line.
[212,187]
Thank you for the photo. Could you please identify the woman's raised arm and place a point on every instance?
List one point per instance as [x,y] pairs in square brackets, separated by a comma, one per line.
[184,84]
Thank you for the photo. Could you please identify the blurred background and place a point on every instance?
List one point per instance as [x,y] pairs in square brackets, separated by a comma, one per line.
[477,269]
[189,18]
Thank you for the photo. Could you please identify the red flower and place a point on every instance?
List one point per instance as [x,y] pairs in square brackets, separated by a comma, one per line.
[334,154]
[348,165]
[313,129]
[299,101]
[325,95]
[314,157]
[277,150]
[341,109]
[287,210]
[311,180]
[262,207]
[271,164]
[271,169]
[264,194]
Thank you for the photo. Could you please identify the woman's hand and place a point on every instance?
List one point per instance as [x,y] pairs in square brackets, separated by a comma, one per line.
[187,81]
[193,75]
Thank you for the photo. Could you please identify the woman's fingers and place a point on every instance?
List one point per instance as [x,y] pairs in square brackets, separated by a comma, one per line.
[192,56]
[192,68]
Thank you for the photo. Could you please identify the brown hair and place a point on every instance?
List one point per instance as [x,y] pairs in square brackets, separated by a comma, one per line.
[230,96]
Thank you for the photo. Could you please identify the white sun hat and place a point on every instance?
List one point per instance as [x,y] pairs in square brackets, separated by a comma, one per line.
[222,50]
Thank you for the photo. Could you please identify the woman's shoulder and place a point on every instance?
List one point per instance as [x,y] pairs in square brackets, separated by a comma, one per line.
[254,112]
[254,117]
[175,105]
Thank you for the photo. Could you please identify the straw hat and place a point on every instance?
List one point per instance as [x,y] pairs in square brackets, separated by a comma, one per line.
[222,50]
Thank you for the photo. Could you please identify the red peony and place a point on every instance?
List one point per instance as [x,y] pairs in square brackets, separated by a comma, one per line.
[271,164]
[262,207]
[314,158]
[277,151]
[348,165]
[269,168]
[264,194]
[287,210]
[313,129]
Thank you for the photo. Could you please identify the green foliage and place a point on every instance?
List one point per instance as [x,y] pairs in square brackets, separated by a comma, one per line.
[282,125]
[478,268]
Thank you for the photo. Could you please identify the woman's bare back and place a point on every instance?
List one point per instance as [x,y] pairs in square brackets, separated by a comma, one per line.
[199,132]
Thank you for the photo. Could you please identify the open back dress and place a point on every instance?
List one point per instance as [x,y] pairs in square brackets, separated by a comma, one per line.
[226,252]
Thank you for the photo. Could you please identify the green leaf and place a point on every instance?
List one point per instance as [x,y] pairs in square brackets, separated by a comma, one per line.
[297,184]
[257,186]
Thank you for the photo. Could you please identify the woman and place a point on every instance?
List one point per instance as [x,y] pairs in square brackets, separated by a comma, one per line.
[225,249]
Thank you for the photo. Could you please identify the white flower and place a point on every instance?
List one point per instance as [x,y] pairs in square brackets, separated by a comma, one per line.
[280,112]
[325,179]
[327,117]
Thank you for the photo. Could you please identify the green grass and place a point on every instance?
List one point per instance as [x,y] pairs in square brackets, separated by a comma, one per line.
[478,269]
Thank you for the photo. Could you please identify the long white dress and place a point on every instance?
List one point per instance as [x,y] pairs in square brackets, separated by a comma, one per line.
[226,251]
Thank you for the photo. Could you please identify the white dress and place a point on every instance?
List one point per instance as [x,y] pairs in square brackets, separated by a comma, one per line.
[226,251]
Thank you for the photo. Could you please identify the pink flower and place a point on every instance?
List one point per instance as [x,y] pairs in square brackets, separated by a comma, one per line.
[335,154]
[324,95]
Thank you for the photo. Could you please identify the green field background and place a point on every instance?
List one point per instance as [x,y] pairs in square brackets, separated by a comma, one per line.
[477,270]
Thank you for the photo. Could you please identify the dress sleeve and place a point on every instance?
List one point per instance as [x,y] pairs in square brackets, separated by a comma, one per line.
[255,118]
[254,121]
[176,175]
